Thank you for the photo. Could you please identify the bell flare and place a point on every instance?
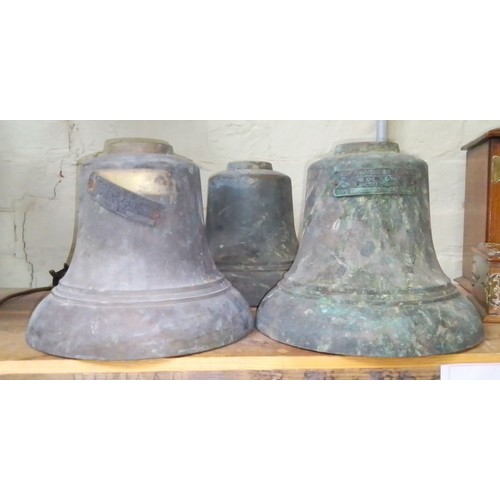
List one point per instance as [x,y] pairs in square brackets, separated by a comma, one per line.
[254,283]
[365,326]
[124,328]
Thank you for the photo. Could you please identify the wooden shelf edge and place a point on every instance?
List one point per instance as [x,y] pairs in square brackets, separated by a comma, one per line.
[243,363]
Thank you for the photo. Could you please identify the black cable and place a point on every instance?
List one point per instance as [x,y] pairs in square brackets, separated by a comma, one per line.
[24,292]
[56,276]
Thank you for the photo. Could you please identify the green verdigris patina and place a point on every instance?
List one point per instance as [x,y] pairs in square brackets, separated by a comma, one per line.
[366,280]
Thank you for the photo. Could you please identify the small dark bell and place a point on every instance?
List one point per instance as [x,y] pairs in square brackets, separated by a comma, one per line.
[250,226]
[366,280]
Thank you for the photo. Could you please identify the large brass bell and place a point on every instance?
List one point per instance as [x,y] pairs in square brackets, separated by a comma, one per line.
[250,226]
[142,282]
[366,280]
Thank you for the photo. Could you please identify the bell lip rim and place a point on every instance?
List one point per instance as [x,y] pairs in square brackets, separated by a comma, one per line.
[278,336]
[269,318]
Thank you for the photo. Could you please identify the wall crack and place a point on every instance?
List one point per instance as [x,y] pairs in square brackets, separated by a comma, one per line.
[71,126]
[22,206]
[61,175]
[30,264]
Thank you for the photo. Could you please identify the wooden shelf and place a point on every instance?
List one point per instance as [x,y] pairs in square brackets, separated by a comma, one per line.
[254,357]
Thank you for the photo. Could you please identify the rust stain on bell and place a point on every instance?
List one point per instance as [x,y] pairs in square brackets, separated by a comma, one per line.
[366,280]
[250,226]
[142,283]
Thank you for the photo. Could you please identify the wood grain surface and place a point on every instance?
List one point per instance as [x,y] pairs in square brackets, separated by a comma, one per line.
[254,357]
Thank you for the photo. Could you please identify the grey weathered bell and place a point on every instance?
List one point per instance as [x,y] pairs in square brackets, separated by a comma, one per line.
[250,226]
[142,283]
[366,280]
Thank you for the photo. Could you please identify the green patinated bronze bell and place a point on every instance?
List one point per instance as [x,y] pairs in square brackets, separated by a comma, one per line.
[366,280]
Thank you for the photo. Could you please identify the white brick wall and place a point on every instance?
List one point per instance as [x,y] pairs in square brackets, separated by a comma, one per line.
[37,173]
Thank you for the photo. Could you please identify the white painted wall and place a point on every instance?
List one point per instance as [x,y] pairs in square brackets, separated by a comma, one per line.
[37,173]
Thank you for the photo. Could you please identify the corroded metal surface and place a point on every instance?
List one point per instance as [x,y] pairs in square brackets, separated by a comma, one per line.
[142,282]
[250,226]
[366,280]
[121,201]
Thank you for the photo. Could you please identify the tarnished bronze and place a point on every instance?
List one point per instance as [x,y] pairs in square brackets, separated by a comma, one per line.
[142,282]
[366,280]
[250,226]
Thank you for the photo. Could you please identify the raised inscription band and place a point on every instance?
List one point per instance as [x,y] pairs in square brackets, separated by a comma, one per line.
[374,181]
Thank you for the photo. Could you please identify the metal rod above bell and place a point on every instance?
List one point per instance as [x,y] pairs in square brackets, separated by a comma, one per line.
[366,280]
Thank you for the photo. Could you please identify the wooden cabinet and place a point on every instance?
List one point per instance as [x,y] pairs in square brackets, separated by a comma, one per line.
[482,198]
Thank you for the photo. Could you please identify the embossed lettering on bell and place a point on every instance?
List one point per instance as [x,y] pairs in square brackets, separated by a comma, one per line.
[142,283]
[366,280]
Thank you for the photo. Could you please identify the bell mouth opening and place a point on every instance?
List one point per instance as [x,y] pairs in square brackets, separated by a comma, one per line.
[367,147]
[249,165]
[137,145]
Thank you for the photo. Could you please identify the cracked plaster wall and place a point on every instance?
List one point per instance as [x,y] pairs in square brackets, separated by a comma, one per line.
[37,174]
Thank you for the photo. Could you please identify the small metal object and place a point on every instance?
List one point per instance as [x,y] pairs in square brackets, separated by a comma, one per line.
[250,226]
[381,126]
[366,280]
[58,275]
[142,283]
